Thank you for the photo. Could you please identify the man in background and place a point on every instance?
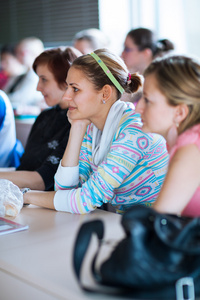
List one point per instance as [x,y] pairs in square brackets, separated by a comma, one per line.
[24,92]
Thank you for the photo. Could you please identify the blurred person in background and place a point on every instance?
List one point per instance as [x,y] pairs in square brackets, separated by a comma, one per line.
[12,68]
[89,40]
[25,93]
[3,78]
[11,149]
[140,48]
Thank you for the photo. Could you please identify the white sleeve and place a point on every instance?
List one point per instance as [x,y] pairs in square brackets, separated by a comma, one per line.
[62,201]
[66,177]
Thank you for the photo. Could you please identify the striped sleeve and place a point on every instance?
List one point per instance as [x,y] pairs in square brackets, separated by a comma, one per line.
[101,184]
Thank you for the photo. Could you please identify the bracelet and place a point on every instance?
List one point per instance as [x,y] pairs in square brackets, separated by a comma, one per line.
[25,190]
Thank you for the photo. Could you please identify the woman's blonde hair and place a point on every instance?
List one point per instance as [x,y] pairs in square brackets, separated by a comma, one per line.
[93,71]
[178,78]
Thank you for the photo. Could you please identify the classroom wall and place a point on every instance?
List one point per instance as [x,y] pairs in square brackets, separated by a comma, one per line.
[56,21]
[177,20]
[192,26]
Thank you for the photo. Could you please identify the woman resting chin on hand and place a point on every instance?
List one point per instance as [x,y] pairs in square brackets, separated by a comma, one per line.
[108,158]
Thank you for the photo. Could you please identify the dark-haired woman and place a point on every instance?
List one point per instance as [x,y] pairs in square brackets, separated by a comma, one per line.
[141,47]
[49,134]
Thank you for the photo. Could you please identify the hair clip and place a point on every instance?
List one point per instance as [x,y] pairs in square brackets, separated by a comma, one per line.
[129,78]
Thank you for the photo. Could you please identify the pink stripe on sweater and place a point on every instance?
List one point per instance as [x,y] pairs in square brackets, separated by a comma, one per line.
[160,158]
[155,195]
[73,201]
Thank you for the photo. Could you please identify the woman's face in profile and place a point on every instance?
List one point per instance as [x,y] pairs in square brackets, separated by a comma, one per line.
[83,100]
[156,113]
[49,87]
[131,54]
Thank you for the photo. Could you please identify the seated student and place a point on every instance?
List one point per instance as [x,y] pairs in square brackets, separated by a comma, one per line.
[3,78]
[108,158]
[10,149]
[171,107]
[11,66]
[140,48]
[23,91]
[49,134]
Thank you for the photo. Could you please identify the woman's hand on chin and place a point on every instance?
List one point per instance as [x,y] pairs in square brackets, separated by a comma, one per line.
[82,122]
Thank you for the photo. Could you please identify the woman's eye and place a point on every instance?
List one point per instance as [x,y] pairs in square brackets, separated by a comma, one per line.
[146,100]
[75,89]
[44,80]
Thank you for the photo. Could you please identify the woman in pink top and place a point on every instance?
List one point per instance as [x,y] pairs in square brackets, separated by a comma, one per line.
[171,107]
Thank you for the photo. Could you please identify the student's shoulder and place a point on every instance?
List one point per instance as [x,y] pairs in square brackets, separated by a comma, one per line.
[157,143]
[4,98]
[55,111]
[130,117]
[2,101]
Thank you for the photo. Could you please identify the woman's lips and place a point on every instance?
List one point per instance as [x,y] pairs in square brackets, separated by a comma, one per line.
[71,108]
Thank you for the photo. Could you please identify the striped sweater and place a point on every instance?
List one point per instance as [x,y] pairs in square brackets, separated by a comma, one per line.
[132,173]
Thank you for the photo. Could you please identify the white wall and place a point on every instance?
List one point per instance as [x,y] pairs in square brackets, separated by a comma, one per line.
[177,20]
[192,26]
[115,21]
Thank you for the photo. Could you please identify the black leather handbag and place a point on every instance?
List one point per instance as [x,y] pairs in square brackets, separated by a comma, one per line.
[159,257]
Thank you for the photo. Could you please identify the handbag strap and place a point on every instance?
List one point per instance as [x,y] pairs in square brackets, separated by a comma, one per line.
[80,248]
[82,243]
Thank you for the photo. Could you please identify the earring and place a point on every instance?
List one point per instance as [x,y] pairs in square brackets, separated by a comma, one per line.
[104,102]
[177,125]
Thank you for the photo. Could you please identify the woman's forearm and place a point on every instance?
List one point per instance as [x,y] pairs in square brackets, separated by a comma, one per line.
[44,199]
[29,179]
[72,152]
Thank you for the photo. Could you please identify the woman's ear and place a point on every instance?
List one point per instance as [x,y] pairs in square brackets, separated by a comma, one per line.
[107,92]
[181,113]
[147,54]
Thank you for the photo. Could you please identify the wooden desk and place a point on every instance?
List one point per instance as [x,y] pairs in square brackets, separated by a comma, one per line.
[36,264]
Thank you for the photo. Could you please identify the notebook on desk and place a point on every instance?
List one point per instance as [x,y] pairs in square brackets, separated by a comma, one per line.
[8,226]
[7,169]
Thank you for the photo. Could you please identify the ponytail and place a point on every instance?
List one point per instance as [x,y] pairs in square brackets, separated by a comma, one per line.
[133,83]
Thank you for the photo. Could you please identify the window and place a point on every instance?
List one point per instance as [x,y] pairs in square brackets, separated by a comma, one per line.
[53,21]
[176,20]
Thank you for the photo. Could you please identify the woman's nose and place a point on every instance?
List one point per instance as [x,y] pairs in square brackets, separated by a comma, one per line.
[122,54]
[67,95]
[139,106]
[38,86]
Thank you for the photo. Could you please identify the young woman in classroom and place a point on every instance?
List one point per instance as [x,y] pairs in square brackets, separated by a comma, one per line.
[171,107]
[108,158]
[49,134]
